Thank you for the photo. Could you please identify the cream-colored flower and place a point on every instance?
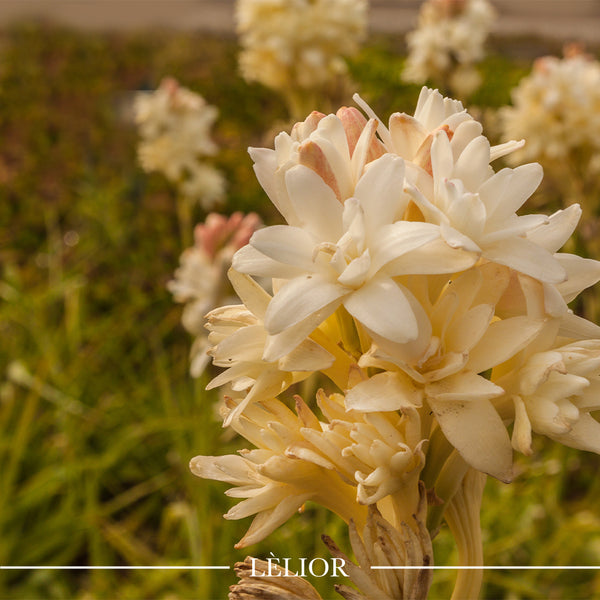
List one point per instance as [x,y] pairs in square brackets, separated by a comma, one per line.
[448,42]
[275,485]
[557,108]
[298,43]
[554,392]
[174,124]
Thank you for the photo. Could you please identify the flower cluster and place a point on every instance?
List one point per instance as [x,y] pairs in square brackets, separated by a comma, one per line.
[174,125]
[557,109]
[298,45]
[200,281]
[430,312]
[448,43]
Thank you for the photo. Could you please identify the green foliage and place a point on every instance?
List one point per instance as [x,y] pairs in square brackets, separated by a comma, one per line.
[98,416]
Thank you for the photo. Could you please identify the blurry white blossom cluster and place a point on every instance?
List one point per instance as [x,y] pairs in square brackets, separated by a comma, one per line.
[200,282]
[448,43]
[434,318]
[174,125]
[296,46]
[557,109]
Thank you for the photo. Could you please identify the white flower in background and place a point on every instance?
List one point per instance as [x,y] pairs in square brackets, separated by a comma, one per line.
[200,282]
[295,45]
[174,125]
[448,43]
[557,108]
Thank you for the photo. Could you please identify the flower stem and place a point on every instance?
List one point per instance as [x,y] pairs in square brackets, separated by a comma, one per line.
[462,516]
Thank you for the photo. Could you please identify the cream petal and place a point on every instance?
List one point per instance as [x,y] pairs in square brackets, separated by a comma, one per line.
[476,430]
[465,386]
[308,356]
[246,344]
[465,211]
[384,392]
[472,166]
[315,203]
[581,274]
[506,198]
[382,306]
[229,468]
[284,342]
[249,292]
[573,326]
[463,135]
[521,436]
[502,340]
[268,520]
[407,134]
[584,435]
[250,261]
[435,257]
[397,239]
[265,166]
[464,332]
[559,229]
[503,149]
[526,257]
[298,299]
[356,272]
[442,161]
[380,191]
[289,245]
[515,226]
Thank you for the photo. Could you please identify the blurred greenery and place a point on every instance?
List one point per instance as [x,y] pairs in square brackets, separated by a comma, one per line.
[98,416]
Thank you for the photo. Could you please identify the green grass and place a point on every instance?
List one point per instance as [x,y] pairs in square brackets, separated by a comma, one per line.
[98,416]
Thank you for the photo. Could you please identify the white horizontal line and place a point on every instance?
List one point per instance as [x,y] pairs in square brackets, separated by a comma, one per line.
[493,567]
[109,567]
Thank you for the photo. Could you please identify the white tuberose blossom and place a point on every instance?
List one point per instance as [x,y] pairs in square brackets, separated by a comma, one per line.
[174,125]
[289,43]
[448,42]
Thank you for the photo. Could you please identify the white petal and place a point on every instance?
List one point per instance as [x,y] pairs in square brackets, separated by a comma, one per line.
[584,435]
[581,274]
[265,166]
[249,292]
[407,134]
[503,340]
[315,203]
[298,299]
[526,257]
[464,332]
[252,262]
[505,198]
[573,326]
[476,430]
[384,392]
[560,226]
[290,245]
[380,191]
[308,356]
[397,239]
[472,166]
[382,306]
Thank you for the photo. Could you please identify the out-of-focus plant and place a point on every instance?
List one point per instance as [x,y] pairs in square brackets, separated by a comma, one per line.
[448,43]
[557,110]
[435,319]
[174,125]
[297,47]
[200,282]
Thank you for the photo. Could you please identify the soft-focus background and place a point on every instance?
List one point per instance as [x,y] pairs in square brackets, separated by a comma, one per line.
[98,414]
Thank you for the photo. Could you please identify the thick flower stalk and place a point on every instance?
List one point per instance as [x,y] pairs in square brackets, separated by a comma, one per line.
[557,109]
[297,47]
[200,281]
[433,317]
[448,43]
[174,124]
